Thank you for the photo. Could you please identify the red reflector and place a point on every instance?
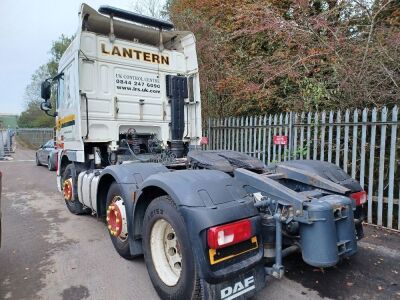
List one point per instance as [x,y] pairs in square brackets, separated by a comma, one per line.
[228,234]
[359,197]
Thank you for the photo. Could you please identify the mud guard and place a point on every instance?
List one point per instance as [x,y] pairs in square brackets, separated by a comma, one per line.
[244,286]
[207,198]
[129,177]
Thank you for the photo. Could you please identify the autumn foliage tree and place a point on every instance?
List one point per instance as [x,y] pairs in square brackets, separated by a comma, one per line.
[280,55]
[32,116]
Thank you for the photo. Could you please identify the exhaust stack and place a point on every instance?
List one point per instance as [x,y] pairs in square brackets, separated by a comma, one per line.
[177,91]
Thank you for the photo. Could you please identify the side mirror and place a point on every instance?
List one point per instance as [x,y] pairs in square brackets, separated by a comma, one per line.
[45,106]
[45,90]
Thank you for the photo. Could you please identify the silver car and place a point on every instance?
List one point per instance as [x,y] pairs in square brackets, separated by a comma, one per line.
[47,155]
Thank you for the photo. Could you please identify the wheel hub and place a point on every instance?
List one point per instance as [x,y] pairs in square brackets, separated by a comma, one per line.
[116,218]
[67,189]
[166,252]
[172,250]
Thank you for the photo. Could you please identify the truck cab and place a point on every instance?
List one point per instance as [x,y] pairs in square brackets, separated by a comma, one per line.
[112,94]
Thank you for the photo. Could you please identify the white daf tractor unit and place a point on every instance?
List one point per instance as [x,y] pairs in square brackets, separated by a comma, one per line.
[210,224]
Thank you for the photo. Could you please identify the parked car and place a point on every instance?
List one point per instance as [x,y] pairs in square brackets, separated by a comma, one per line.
[47,155]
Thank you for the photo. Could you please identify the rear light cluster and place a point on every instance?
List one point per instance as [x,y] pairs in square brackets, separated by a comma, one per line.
[228,234]
[359,197]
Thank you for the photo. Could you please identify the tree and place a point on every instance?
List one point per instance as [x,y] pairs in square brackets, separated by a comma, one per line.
[278,55]
[152,8]
[32,116]
[57,50]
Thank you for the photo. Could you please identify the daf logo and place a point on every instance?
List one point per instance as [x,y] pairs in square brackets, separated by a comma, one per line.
[238,289]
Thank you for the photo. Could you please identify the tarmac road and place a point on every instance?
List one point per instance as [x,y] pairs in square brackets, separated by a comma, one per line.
[48,253]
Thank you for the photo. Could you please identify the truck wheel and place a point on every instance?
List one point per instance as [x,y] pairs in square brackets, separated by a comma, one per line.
[70,191]
[37,161]
[116,221]
[167,252]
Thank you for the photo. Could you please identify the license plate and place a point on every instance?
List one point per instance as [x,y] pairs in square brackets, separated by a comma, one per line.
[219,255]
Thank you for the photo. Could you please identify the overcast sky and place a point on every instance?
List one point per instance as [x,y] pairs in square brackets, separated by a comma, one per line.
[27,29]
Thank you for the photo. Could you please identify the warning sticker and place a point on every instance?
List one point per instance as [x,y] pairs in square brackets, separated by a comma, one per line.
[280,139]
[136,83]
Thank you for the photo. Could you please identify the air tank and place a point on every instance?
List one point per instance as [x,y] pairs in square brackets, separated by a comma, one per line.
[330,233]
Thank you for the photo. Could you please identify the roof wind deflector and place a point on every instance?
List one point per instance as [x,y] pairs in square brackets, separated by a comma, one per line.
[133,17]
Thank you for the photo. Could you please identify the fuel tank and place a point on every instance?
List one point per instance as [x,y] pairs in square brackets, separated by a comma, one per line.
[87,188]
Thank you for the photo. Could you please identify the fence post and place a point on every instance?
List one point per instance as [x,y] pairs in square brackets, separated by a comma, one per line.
[346,140]
[371,165]
[274,146]
[381,165]
[231,131]
[209,134]
[259,136]
[218,129]
[269,137]
[323,118]
[246,135]
[255,137]
[214,130]
[354,148]
[250,140]
[393,138]
[241,134]
[225,131]
[363,146]
[330,136]
[338,121]
[280,133]
[302,116]
[308,142]
[315,154]
[237,134]
[265,138]
[295,137]
[291,134]
[285,148]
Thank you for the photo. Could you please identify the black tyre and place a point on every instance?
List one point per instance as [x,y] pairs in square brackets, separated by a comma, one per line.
[167,252]
[37,160]
[50,165]
[74,206]
[118,230]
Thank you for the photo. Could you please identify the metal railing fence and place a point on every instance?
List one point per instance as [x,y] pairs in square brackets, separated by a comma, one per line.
[35,137]
[363,142]
[7,144]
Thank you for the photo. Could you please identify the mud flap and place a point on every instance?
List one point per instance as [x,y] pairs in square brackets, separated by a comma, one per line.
[242,286]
